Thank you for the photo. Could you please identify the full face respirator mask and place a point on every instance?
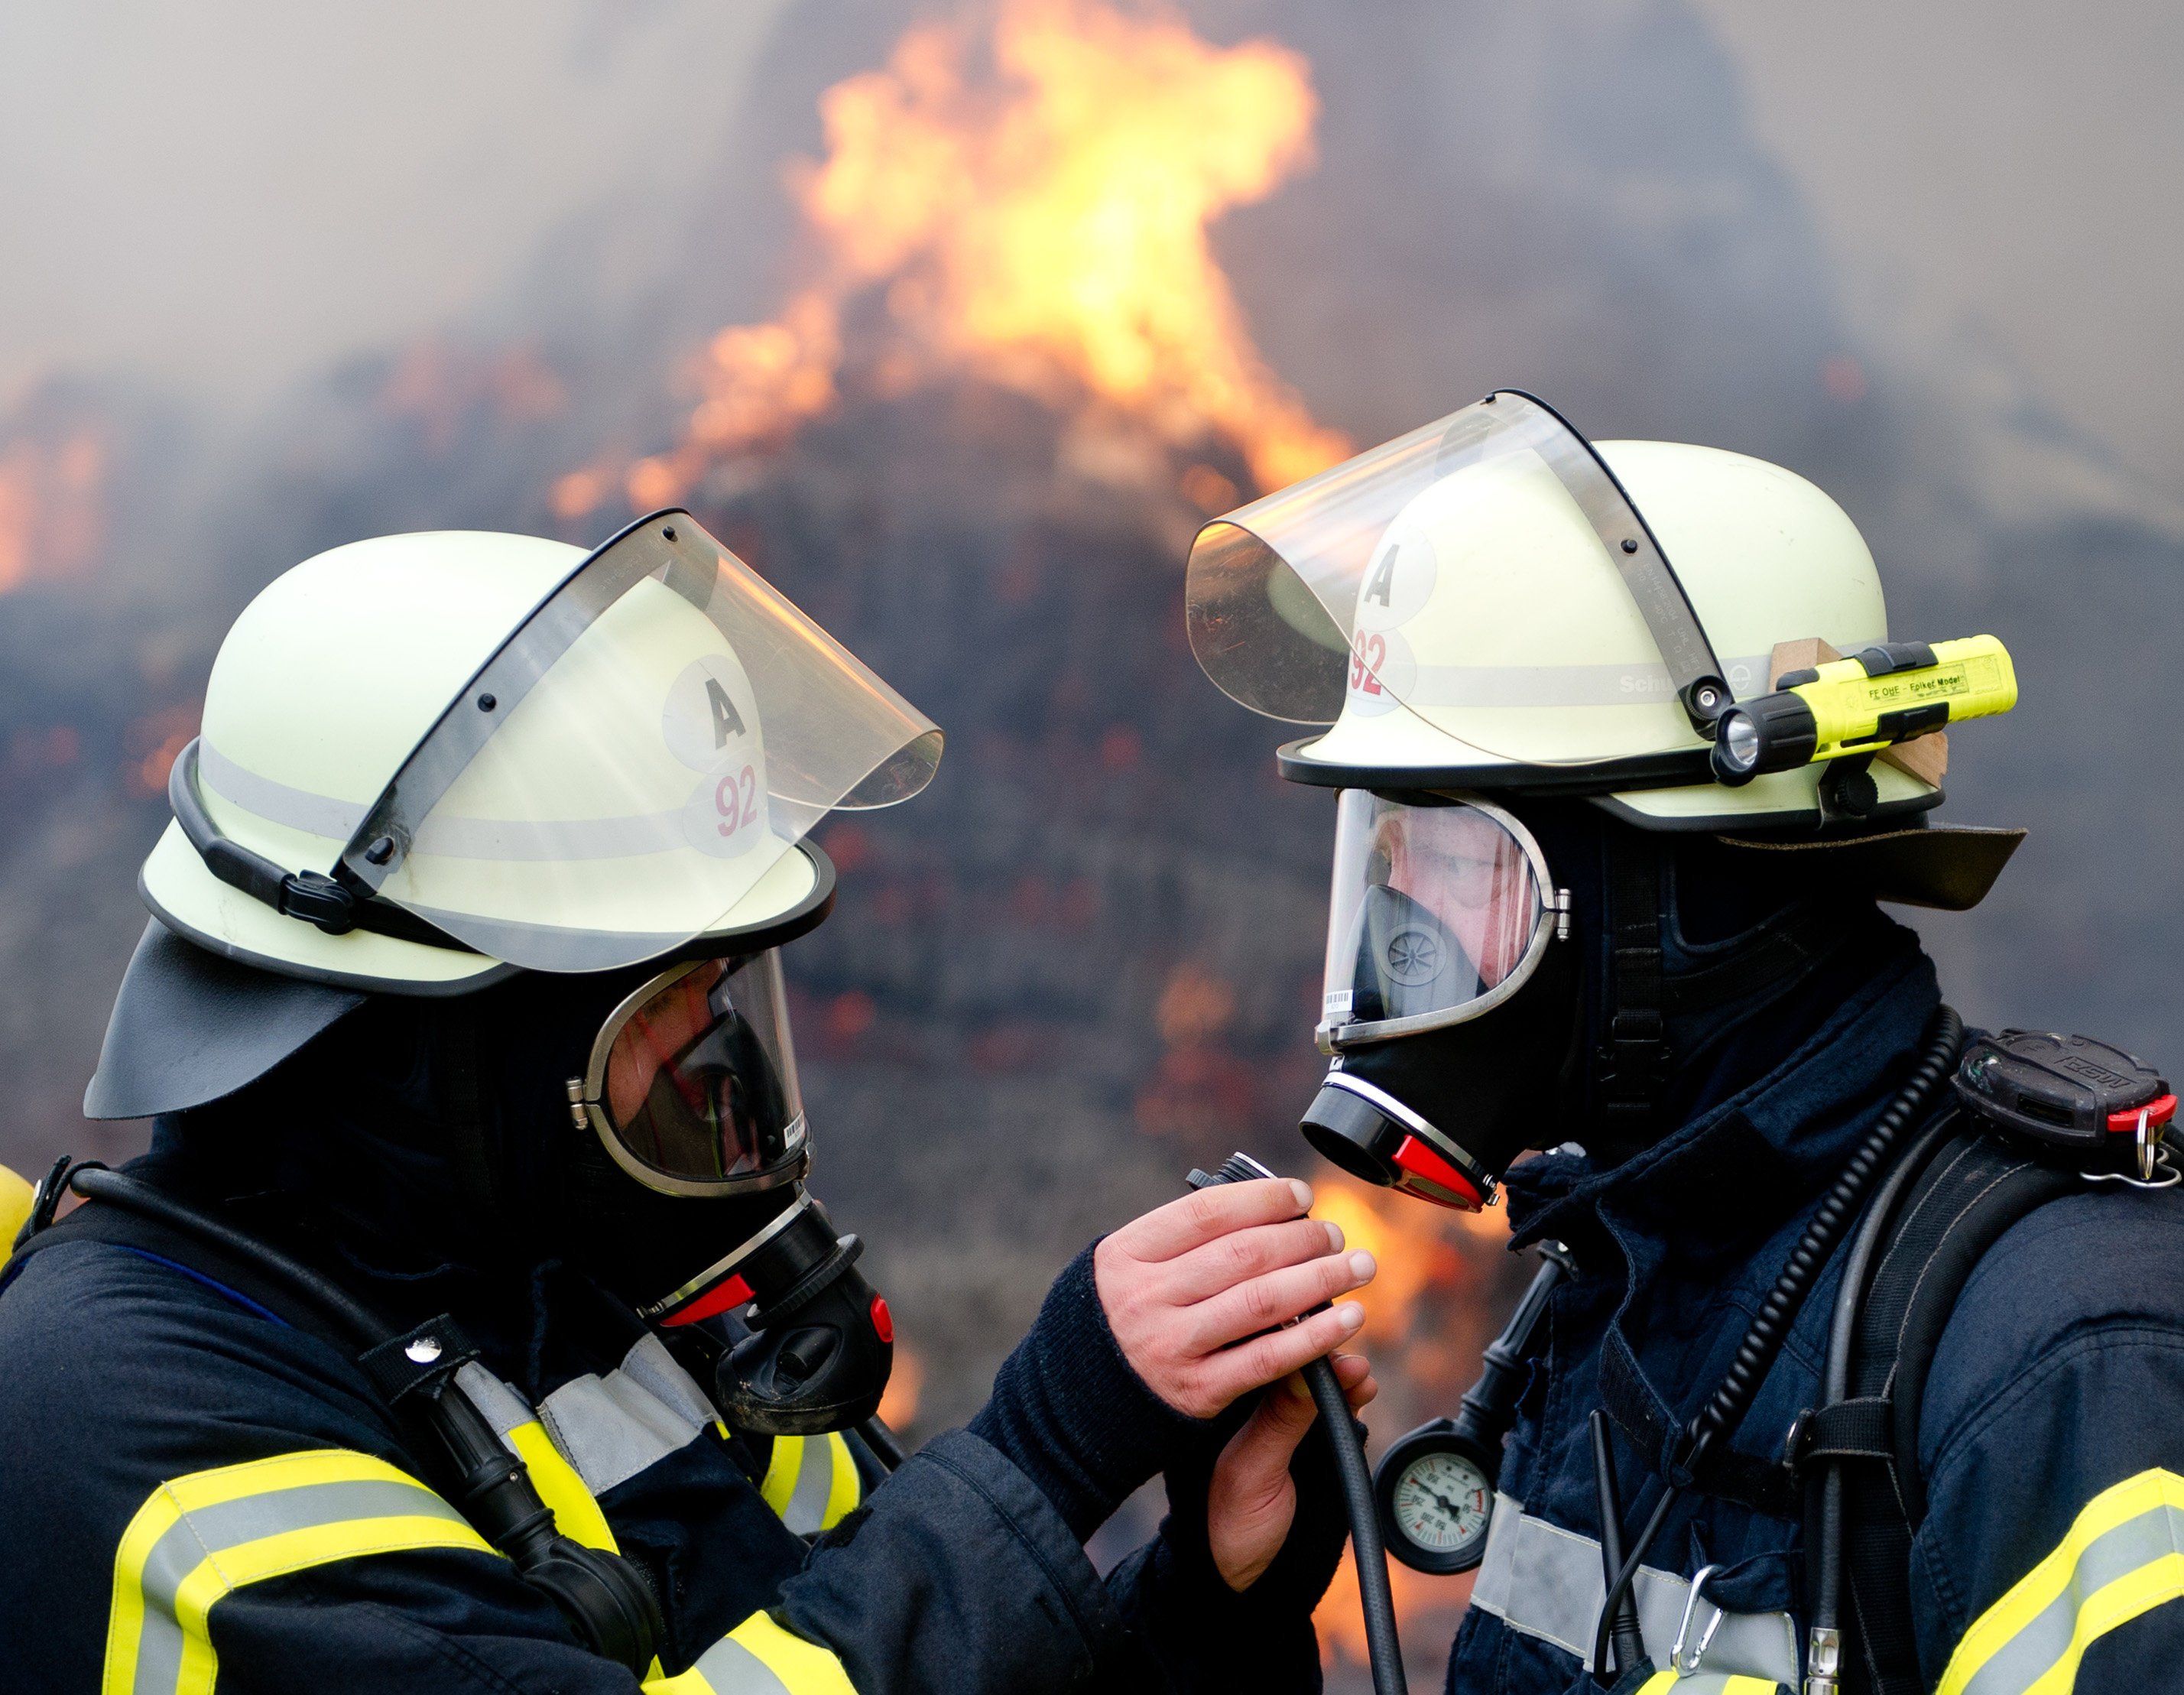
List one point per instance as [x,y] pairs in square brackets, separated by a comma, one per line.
[1449,994]
[690,1091]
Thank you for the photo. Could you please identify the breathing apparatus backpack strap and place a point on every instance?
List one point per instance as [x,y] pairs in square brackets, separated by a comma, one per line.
[608,1602]
[1973,1189]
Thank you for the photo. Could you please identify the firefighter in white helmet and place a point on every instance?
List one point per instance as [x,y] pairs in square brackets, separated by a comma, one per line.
[1625,758]
[470,1326]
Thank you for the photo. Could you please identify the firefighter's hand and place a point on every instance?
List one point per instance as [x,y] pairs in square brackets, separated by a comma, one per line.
[1253,1499]
[1196,1292]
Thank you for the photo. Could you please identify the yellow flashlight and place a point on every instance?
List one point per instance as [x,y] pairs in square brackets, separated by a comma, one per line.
[1872,699]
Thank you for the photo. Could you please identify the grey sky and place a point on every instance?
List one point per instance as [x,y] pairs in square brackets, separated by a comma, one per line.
[1999,181]
[226,194]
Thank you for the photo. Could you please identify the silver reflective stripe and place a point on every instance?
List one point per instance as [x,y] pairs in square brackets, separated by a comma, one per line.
[2026,1658]
[733,1670]
[1544,1582]
[209,1531]
[806,1513]
[450,837]
[298,809]
[1568,685]
[500,1406]
[611,1427]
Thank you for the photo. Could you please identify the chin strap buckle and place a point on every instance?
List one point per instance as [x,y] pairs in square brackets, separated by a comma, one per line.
[317,899]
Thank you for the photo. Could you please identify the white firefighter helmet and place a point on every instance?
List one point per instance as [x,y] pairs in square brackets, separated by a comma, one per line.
[1491,603]
[429,759]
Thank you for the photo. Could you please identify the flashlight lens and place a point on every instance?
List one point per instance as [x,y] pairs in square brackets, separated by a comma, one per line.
[1739,740]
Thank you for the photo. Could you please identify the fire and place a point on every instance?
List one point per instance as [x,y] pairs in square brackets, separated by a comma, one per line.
[1427,1609]
[1426,1315]
[51,518]
[1028,198]
[905,1388]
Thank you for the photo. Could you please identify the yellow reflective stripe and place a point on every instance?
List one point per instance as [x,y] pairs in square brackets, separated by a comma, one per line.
[803,1668]
[15,1198]
[846,1488]
[811,1482]
[1708,1683]
[577,1511]
[1658,1684]
[781,1469]
[199,1538]
[2123,1556]
[758,1658]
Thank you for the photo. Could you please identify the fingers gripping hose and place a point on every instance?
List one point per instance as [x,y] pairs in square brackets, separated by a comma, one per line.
[1375,1598]
[1724,1410]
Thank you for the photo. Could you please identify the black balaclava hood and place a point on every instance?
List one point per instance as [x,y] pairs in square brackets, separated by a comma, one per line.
[434,1135]
[1748,964]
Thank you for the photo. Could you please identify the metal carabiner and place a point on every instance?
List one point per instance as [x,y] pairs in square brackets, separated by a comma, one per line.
[1676,1662]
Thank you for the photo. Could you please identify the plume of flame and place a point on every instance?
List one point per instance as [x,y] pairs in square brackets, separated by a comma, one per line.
[51,519]
[1418,1334]
[1047,218]
[906,1389]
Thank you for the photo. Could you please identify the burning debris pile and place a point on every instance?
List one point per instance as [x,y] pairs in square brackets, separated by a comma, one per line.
[1006,377]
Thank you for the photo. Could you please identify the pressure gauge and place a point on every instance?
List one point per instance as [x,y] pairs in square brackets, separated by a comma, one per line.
[1435,1491]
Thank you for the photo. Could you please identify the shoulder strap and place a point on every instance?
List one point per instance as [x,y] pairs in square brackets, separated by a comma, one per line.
[1973,1190]
[226,1275]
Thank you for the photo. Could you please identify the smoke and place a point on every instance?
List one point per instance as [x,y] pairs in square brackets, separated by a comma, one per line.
[1087,957]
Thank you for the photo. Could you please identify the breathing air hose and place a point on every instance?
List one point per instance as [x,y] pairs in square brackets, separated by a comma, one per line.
[1724,1410]
[1375,1598]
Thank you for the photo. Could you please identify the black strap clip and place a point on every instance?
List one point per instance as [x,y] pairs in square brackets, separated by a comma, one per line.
[418,1358]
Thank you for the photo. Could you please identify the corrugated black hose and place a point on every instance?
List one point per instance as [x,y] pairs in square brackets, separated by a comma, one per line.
[1376,1600]
[1724,1410]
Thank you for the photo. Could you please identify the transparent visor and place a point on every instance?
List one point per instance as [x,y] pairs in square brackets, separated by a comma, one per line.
[692,1084]
[651,742]
[1434,572]
[1437,913]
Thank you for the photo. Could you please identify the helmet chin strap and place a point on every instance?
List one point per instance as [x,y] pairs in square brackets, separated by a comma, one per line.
[1631,1065]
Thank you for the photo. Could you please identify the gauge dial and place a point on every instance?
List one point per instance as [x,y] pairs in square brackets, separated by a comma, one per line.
[1435,1491]
[1443,1500]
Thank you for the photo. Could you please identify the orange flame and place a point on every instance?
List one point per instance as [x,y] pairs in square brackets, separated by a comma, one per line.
[905,1388]
[1420,1602]
[1047,219]
[51,518]
[1419,1332]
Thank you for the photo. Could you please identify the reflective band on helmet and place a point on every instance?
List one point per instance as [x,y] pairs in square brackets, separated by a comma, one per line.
[758,1658]
[692,1084]
[2123,1556]
[811,1482]
[201,1537]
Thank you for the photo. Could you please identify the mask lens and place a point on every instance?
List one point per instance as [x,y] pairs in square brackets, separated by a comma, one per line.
[698,1082]
[1436,912]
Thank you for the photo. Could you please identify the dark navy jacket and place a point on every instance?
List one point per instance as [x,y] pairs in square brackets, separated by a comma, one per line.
[2050,1437]
[192,1488]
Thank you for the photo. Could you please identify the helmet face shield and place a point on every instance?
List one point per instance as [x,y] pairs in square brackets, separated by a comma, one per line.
[692,1081]
[1438,912]
[658,733]
[1428,574]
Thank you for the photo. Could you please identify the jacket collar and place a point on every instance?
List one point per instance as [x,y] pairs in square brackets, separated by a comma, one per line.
[1762,1151]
